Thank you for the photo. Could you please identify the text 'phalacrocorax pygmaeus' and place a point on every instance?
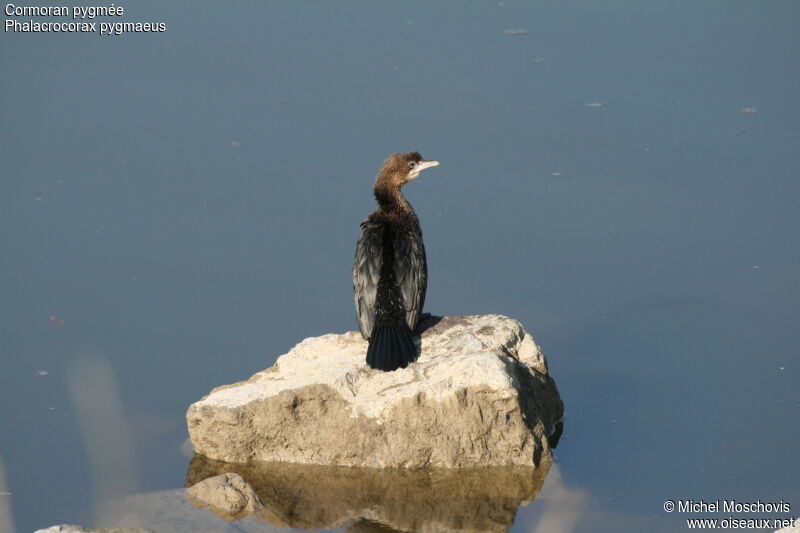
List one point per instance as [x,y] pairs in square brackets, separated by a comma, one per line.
[390,274]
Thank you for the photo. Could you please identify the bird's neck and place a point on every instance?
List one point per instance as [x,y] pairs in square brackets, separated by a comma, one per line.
[391,200]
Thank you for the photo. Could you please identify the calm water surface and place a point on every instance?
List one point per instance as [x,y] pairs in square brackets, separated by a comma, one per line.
[178,209]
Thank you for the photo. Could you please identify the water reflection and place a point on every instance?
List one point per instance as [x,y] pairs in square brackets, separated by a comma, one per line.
[6,518]
[104,426]
[363,499]
[562,507]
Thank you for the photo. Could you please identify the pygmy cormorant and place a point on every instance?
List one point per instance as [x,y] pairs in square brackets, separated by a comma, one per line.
[390,273]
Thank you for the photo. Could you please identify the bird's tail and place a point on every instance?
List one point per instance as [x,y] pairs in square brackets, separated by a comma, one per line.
[391,347]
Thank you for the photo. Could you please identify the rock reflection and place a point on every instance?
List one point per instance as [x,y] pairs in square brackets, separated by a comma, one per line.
[363,499]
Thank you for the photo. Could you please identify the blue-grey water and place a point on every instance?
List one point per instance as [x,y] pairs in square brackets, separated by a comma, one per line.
[177,209]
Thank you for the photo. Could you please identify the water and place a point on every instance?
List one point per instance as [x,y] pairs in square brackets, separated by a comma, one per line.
[622,179]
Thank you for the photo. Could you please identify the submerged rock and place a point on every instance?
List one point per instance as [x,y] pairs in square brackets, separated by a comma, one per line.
[169,511]
[479,395]
[228,495]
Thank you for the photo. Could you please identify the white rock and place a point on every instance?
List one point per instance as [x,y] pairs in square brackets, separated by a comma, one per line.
[478,395]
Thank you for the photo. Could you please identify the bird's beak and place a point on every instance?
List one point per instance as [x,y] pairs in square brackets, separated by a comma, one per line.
[422,165]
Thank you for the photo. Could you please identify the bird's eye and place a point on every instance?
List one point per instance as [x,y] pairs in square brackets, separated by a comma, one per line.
[412,164]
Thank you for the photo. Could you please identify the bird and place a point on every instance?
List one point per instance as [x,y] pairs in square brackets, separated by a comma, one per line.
[390,271]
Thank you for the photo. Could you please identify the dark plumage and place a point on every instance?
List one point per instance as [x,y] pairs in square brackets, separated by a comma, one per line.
[390,273]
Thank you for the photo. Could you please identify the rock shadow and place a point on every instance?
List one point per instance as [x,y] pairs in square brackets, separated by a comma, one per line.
[426,321]
[542,408]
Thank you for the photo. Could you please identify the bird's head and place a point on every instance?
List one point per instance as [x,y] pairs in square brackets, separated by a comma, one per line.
[399,169]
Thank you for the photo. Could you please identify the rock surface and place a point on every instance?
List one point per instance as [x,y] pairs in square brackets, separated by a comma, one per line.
[228,495]
[479,395]
[67,528]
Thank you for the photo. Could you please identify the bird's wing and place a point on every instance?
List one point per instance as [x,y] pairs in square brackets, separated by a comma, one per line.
[411,273]
[366,272]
